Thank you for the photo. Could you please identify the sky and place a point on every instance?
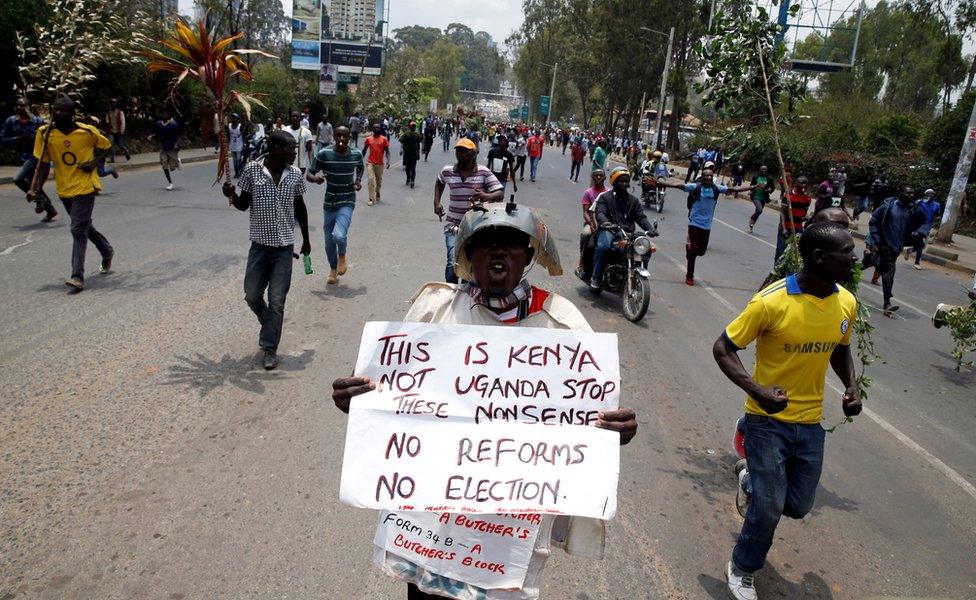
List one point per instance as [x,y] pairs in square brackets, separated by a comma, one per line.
[498,17]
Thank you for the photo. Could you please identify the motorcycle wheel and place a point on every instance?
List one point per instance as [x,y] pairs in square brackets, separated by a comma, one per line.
[637,297]
[660,204]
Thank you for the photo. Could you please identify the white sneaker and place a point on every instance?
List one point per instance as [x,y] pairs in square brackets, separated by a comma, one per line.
[740,586]
[917,267]
[741,496]
[170,187]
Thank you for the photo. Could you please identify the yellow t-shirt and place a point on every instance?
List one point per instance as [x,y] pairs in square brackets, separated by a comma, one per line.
[795,335]
[69,151]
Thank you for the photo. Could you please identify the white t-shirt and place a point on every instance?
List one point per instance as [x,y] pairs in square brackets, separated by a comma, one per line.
[236,137]
[302,135]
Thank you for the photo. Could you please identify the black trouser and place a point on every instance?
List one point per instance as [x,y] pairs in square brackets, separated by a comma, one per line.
[410,166]
[23,181]
[574,170]
[692,173]
[268,268]
[520,166]
[759,204]
[887,259]
[80,210]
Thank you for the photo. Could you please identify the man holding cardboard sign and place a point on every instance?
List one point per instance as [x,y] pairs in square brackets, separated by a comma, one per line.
[454,554]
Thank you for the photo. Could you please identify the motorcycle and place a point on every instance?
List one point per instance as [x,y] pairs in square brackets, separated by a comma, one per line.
[653,195]
[626,271]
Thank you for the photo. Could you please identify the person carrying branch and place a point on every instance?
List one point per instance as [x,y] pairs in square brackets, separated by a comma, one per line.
[801,325]
[495,248]
[75,149]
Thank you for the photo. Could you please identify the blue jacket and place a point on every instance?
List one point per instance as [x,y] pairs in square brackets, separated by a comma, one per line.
[889,225]
[13,129]
[924,212]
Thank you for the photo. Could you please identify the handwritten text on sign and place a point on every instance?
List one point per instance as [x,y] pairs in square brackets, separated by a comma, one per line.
[457,424]
[489,551]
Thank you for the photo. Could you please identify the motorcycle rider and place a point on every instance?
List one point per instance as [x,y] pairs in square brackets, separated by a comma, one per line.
[616,206]
[652,169]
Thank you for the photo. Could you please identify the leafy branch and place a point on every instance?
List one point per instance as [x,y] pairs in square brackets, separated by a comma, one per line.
[60,57]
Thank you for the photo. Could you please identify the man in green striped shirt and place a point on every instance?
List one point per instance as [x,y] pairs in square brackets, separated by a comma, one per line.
[342,172]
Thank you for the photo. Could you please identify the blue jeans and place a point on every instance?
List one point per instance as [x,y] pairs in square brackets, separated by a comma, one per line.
[238,159]
[533,166]
[450,238]
[785,461]
[335,228]
[604,241]
[268,268]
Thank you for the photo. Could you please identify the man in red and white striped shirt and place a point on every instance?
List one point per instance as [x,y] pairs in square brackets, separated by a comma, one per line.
[470,184]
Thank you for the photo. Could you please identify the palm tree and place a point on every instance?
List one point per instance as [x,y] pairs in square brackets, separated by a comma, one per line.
[211,61]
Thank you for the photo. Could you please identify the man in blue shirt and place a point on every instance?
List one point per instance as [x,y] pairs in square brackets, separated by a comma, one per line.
[18,134]
[889,228]
[702,198]
[924,212]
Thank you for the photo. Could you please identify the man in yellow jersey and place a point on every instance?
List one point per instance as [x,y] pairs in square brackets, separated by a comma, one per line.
[800,325]
[75,149]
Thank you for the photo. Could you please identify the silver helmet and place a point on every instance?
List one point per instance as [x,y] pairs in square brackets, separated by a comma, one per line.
[511,215]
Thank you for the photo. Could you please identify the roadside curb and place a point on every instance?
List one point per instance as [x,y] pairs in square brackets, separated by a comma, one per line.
[120,167]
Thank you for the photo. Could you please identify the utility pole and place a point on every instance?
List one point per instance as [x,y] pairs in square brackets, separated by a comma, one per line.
[664,82]
[959,181]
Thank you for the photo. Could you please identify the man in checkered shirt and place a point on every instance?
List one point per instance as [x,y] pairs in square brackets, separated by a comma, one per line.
[273,190]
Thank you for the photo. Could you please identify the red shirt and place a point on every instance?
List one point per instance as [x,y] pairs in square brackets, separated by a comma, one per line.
[578,153]
[534,145]
[800,203]
[376,145]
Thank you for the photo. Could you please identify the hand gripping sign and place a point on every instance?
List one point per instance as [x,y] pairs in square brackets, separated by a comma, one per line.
[471,419]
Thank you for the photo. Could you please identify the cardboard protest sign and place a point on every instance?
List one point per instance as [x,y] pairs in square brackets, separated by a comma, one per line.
[459,421]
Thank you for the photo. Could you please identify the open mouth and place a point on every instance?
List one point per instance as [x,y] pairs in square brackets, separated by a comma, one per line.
[498,268]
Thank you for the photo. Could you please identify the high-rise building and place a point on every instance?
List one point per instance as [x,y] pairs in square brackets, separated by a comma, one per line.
[353,19]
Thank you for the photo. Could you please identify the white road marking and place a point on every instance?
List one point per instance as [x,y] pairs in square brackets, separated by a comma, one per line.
[911,444]
[10,249]
[866,287]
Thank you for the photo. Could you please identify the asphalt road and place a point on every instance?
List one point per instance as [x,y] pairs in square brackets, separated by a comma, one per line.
[145,454]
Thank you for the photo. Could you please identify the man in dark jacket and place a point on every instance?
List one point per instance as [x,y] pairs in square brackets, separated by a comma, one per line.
[410,142]
[889,228]
[616,206]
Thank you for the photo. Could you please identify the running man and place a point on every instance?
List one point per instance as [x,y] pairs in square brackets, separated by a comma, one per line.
[19,131]
[168,133]
[470,184]
[801,324]
[377,147]
[702,199]
[761,194]
[75,149]
[343,168]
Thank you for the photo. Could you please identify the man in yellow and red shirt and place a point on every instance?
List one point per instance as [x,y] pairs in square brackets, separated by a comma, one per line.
[801,324]
[75,149]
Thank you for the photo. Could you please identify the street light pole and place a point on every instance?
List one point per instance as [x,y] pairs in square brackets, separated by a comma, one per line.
[552,89]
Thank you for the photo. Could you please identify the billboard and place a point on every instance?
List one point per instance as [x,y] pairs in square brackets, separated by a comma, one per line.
[344,33]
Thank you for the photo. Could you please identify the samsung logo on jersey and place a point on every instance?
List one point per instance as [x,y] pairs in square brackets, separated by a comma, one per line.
[809,347]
